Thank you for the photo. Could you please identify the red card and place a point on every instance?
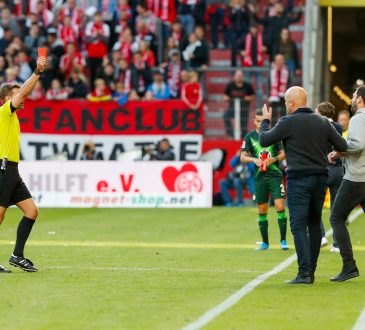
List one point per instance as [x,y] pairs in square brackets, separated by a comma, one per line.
[42,52]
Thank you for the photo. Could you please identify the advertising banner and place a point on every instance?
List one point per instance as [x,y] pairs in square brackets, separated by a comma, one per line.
[119,184]
[52,127]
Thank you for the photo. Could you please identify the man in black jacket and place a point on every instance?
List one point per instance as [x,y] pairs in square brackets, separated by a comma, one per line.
[305,136]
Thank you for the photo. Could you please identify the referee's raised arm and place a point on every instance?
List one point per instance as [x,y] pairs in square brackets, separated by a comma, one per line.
[18,99]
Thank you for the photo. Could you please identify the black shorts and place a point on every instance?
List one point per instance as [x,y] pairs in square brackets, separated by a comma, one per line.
[12,188]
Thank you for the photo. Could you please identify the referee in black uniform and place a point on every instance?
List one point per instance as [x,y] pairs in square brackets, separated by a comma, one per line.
[13,190]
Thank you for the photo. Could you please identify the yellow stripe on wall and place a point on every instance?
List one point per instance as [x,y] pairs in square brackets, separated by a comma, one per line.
[342,3]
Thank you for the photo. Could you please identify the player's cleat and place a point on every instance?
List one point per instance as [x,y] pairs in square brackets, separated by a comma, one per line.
[335,249]
[263,246]
[24,264]
[324,242]
[4,270]
[284,245]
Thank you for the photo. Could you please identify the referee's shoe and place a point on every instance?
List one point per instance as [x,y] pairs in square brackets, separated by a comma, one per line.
[4,270]
[22,263]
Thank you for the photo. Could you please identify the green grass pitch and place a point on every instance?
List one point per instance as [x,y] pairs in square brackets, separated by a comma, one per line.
[162,269]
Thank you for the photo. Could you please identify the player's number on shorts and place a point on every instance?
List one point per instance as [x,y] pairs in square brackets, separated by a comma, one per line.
[282,189]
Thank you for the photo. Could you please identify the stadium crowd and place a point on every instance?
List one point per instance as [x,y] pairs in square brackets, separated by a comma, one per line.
[140,50]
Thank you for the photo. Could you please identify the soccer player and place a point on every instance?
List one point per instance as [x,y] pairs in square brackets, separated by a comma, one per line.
[13,190]
[268,179]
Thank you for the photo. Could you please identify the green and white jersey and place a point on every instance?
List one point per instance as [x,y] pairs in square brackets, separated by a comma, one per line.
[252,145]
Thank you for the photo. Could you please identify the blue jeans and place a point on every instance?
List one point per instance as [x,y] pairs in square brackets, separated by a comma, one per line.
[236,184]
[188,23]
[305,201]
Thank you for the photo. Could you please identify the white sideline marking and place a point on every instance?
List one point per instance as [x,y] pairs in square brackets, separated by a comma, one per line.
[360,324]
[138,269]
[246,289]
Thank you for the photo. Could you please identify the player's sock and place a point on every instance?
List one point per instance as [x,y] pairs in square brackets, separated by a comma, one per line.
[263,224]
[282,220]
[24,229]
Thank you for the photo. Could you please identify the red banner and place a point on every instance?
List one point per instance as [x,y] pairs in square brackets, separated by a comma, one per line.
[109,118]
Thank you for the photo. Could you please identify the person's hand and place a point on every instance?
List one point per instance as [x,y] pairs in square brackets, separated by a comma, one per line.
[269,161]
[252,8]
[333,156]
[41,63]
[266,112]
[258,162]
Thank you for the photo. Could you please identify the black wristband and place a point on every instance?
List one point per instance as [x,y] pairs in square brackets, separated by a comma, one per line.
[37,72]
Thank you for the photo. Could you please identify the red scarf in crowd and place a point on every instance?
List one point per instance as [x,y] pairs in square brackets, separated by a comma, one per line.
[247,59]
[173,78]
[149,57]
[279,82]
[125,50]
[126,78]
[167,11]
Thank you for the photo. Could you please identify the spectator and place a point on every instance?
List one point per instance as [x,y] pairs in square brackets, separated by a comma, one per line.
[38,92]
[56,92]
[6,40]
[97,39]
[200,34]
[147,55]
[238,89]
[124,45]
[67,32]
[237,180]
[11,76]
[71,9]
[173,73]
[240,18]
[344,120]
[146,18]
[123,21]
[89,152]
[286,46]
[72,59]
[33,41]
[177,33]
[44,16]
[194,54]
[163,151]
[120,95]
[76,86]
[253,55]
[169,46]
[274,24]
[191,92]
[23,61]
[158,90]
[143,73]
[55,44]
[127,75]
[133,96]
[217,13]
[186,11]
[8,21]
[107,74]
[3,66]
[279,83]
[100,93]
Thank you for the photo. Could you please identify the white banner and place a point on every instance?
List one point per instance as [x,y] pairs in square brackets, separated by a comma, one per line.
[43,146]
[118,184]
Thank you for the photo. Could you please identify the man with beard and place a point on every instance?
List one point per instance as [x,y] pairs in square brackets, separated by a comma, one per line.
[352,189]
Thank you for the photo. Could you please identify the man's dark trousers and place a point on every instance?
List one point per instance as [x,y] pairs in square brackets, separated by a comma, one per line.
[305,201]
[349,195]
